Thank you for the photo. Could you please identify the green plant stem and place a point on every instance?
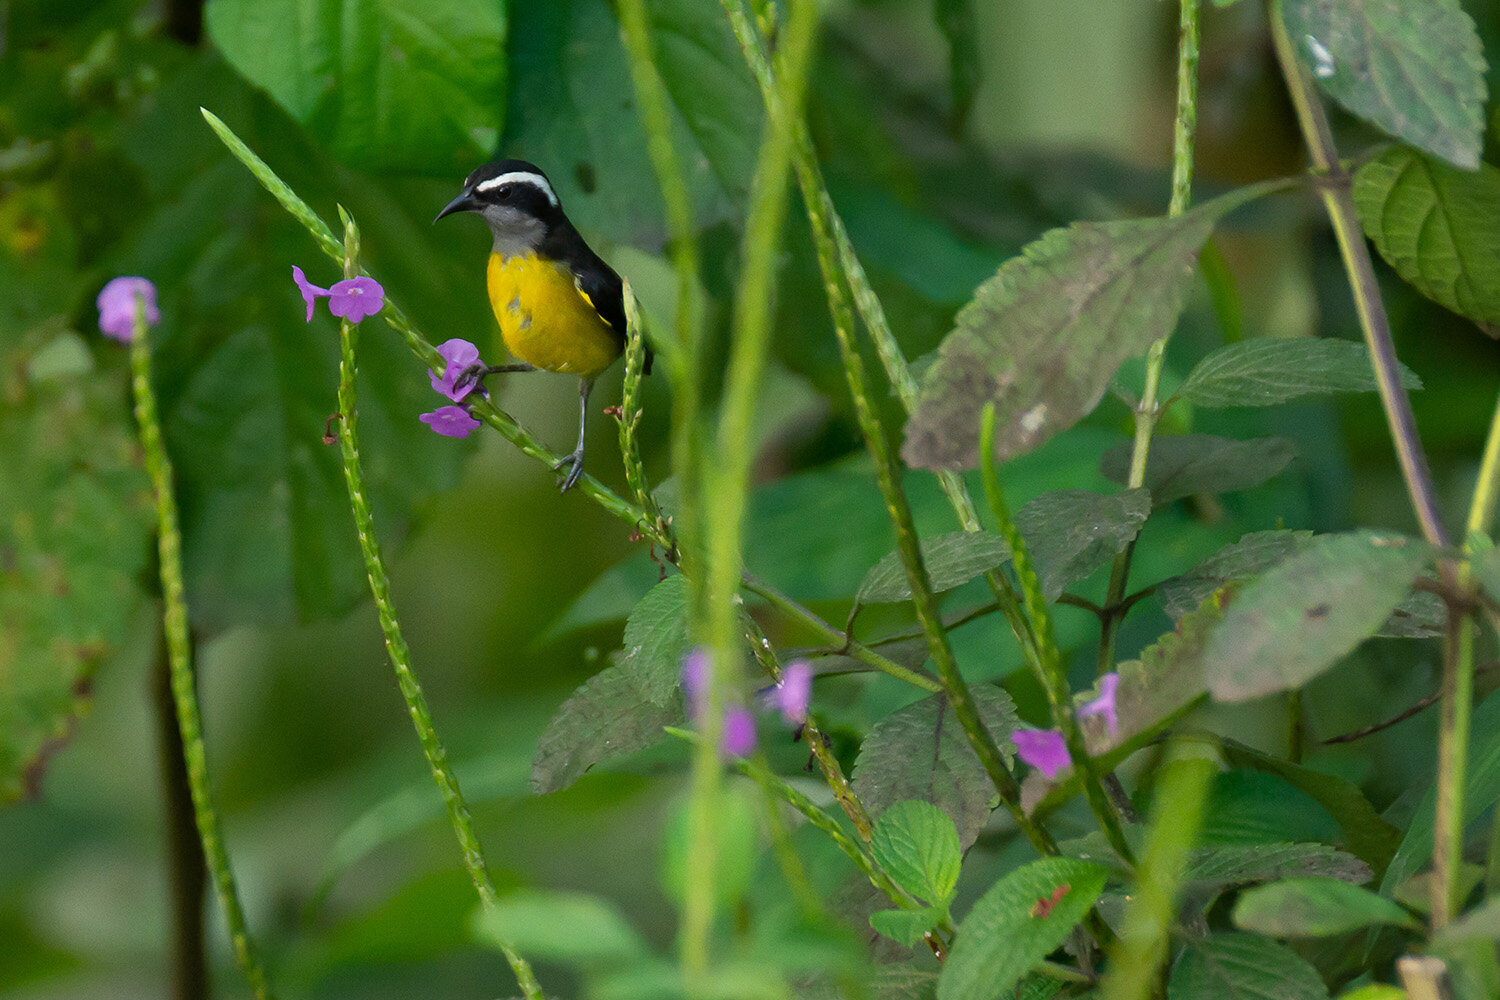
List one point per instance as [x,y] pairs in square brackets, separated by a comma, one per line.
[390,626]
[1054,676]
[179,656]
[630,413]
[1147,412]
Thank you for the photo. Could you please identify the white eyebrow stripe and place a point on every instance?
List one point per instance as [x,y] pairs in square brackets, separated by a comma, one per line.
[519,177]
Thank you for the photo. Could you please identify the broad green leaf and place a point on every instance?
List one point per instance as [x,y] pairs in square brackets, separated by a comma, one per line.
[389,85]
[1016,924]
[571,928]
[921,752]
[1301,617]
[1183,465]
[75,534]
[608,717]
[1213,868]
[656,638]
[907,926]
[1071,533]
[917,844]
[1267,371]
[1438,226]
[1254,807]
[1413,67]
[1250,556]
[951,560]
[1240,966]
[1374,991]
[1043,338]
[1315,907]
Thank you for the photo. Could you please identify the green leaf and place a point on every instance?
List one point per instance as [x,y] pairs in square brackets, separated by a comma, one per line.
[1267,371]
[75,529]
[907,927]
[1374,991]
[952,560]
[921,752]
[1184,465]
[1243,967]
[1315,907]
[1016,924]
[1486,569]
[1251,556]
[1301,617]
[1413,67]
[1481,922]
[656,639]
[415,86]
[1213,868]
[1071,533]
[917,844]
[571,928]
[1439,227]
[1044,336]
[608,717]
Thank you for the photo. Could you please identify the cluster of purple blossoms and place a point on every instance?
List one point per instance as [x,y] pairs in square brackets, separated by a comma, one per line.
[791,697]
[353,299]
[116,304]
[1045,750]
[454,420]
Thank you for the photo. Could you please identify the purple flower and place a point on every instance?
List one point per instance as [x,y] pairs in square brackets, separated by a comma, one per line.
[1104,704]
[1043,749]
[355,298]
[457,356]
[793,694]
[738,737]
[450,421]
[117,307]
[310,292]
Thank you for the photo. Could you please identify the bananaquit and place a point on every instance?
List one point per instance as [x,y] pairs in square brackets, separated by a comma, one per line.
[559,306]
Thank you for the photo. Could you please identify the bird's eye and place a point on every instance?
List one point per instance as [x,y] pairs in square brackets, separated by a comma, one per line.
[505,191]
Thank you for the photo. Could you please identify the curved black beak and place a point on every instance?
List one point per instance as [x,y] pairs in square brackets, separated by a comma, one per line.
[465,202]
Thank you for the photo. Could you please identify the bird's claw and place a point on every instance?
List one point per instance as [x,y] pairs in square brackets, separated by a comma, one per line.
[574,465]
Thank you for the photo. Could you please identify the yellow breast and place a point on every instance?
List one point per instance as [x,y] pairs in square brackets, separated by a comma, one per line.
[546,320]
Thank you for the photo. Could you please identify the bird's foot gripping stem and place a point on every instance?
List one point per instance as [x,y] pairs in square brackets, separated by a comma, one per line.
[474,375]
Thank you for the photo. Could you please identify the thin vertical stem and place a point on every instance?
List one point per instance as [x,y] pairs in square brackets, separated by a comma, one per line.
[187,873]
[179,656]
[390,625]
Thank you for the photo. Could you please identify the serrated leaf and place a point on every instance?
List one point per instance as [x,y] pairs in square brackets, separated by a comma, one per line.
[1439,227]
[1315,907]
[1184,465]
[952,560]
[1250,556]
[607,717]
[1267,371]
[1071,533]
[906,927]
[394,85]
[921,752]
[571,928]
[1213,868]
[1413,67]
[656,639]
[917,844]
[1242,966]
[1301,617]
[1016,924]
[1043,338]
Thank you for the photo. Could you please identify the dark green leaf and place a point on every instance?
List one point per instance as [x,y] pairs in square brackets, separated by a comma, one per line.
[395,85]
[1243,967]
[571,928]
[952,559]
[1267,371]
[1298,619]
[1250,556]
[1486,569]
[1184,465]
[907,926]
[1315,907]
[921,752]
[917,844]
[1016,924]
[1212,868]
[1439,227]
[1253,807]
[656,638]
[1420,615]
[1071,533]
[1413,67]
[75,530]
[608,717]
[1043,338]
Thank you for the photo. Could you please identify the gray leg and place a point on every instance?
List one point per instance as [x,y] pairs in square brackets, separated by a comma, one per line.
[574,462]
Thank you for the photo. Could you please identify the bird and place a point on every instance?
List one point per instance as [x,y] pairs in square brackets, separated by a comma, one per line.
[559,305]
